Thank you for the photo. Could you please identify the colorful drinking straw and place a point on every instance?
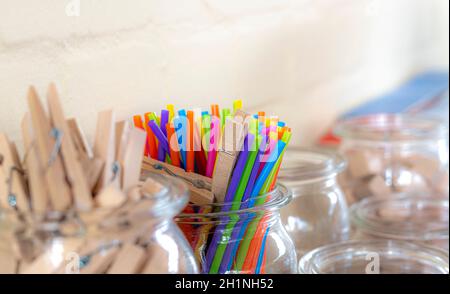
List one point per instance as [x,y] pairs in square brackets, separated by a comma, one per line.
[189,139]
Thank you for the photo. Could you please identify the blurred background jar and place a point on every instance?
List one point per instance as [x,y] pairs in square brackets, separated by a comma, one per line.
[247,238]
[318,213]
[389,153]
[375,257]
[139,236]
[413,218]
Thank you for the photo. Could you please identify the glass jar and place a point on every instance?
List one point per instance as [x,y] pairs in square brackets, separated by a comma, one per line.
[249,239]
[318,212]
[375,257]
[419,219]
[390,153]
[139,236]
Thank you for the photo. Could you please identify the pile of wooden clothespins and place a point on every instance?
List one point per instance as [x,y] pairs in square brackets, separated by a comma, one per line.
[59,170]
[60,173]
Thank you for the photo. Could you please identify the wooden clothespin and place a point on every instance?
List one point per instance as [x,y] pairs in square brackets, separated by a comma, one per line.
[231,144]
[38,188]
[79,139]
[104,148]
[55,176]
[198,185]
[130,260]
[13,187]
[130,155]
[78,181]
[93,166]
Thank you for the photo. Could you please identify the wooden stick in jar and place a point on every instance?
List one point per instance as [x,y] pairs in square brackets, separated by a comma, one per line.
[11,170]
[36,180]
[59,191]
[80,188]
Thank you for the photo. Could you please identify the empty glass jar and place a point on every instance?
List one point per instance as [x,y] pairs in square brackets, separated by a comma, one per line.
[139,236]
[318,213]
[390,153]
[245,237]
[418,219]
[375,257]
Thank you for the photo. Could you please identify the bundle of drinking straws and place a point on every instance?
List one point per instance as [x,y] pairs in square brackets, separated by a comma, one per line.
[227,157]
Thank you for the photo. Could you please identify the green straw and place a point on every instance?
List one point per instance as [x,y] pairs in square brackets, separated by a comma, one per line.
[252,227]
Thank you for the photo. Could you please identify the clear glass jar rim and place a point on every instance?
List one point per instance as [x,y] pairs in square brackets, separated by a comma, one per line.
[283,195]
[310,165]
[360,216]
[416,129]
[309,263]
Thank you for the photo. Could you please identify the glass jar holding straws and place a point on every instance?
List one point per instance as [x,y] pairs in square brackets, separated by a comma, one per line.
[389,153]
[249,239]
[318,213]
[375,257]
[414,218]
[230,162]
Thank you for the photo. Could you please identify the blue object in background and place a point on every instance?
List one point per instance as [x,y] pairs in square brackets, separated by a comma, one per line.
[425,92]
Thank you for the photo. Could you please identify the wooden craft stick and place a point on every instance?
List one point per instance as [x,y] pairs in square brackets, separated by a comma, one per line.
[104,148]
[131,158]
[36,179]
[79,139]
[198,185]
[129,260]
[9,160]
[75,174]
[55,177]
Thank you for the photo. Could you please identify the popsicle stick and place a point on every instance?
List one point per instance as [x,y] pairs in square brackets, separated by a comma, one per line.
[55,177]
[38,189]
[75,174]
[9,160]
[199,186]
[79,139]
[131,158]
[129,260]
[104,148]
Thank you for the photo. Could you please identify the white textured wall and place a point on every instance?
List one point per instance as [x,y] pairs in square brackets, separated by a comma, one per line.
[305,59]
